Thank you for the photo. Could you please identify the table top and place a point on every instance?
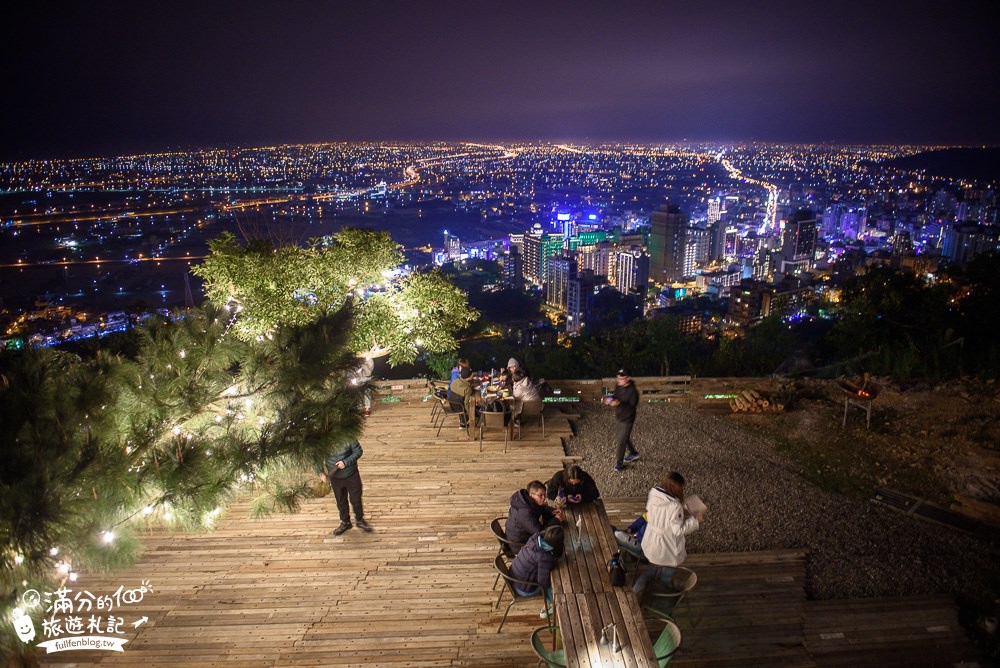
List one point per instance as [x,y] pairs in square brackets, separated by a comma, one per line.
[585,602]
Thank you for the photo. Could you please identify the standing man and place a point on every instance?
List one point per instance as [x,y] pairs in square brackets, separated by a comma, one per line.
[625,399]
[342,474]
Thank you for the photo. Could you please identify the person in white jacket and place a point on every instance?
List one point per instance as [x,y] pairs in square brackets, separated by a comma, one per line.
[663,543]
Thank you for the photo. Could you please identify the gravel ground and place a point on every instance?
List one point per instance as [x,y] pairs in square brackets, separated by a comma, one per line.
[758,501]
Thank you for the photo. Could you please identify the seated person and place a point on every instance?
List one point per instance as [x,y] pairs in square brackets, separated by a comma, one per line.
[535,561]
[523,390]
[507,375]
[529,514]
[457,371]
[461,393]
[573,484]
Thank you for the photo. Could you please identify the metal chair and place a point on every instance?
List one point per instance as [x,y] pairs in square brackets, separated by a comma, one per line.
[508,548]
[632,556]
[493,420]
[439,390]
[531,410]
[510,581]
[662,597]
[447,411]
[667,642]
[552,658]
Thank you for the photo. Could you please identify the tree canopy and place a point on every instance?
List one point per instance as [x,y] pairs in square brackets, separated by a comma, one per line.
[394,315]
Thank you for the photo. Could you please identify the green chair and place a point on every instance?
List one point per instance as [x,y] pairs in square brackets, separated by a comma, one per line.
[667,643]
[662,597]
[552,658]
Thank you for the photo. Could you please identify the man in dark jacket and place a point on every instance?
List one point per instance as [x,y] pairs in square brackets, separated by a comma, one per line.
[341,471]
[460,394]
[528,513]
[573,484]
[535,561]
[625,399]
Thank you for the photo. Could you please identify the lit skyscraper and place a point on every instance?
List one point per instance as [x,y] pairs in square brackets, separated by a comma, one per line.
[667,244]
[560,270]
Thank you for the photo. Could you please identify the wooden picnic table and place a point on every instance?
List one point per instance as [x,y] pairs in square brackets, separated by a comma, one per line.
[585,602]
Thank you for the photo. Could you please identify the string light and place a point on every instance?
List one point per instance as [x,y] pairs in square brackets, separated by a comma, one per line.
[108,537]
[18,559]
[54,551]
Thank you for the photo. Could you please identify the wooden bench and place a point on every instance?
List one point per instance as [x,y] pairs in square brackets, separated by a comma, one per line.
[586,603]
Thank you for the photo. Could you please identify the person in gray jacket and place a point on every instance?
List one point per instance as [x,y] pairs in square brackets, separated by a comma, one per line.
[341,471]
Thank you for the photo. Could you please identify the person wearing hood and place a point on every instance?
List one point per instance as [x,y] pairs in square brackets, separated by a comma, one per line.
[535,561]
[668,523]
[573,484]
[507,375]
[529,514]
[523,389]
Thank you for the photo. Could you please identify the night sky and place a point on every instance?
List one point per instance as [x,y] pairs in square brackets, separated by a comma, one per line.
[105,77]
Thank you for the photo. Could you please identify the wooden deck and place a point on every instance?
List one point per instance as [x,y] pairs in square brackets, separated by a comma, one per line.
[283,591]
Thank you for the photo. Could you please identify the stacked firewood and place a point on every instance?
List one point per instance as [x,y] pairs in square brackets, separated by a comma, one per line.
[750,401]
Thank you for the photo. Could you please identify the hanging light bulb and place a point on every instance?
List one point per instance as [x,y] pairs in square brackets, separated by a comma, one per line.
[108,537]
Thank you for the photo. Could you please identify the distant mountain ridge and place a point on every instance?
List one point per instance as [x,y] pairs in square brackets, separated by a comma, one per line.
[980,164]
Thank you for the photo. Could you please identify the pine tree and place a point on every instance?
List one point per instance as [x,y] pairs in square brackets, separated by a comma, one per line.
[91,448]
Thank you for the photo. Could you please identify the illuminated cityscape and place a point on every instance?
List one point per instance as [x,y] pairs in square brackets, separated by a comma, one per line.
[726,275]
[88,244]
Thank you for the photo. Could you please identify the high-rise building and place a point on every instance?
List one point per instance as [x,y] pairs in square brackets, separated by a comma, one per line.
[632,273]
[560,270]
[714,210]
[580,293]
[964,241]
[667,244]
[513,269]
[798,242]
[697,247]
[597,258]
[452,246]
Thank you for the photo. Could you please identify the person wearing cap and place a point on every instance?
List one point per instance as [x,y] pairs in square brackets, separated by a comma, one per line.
[625,400]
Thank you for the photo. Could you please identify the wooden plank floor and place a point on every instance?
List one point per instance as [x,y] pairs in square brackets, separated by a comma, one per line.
[282,591]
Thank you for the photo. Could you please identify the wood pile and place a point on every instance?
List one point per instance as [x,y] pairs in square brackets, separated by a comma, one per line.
[984,511]
[750,401]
